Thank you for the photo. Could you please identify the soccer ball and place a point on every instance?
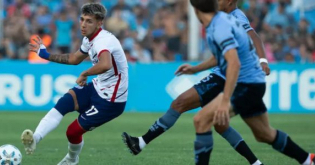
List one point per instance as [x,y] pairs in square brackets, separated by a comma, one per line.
[10,155]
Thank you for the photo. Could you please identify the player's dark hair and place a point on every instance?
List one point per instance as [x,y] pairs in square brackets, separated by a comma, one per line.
[96,9]
[206,6]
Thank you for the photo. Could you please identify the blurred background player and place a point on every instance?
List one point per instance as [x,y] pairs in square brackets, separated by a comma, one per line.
[234,54]
[207,89]
[97,102]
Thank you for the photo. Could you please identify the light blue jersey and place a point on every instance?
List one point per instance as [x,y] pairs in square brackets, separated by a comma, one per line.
[241,17]
[225,32]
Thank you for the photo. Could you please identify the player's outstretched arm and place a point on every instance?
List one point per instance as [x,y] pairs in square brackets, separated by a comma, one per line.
[233,66]
[260,50]
[188,69]
[69,58]
[207,64]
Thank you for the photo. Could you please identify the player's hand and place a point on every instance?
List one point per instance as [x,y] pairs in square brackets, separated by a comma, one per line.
[265,68]
[34,47]
[39,48]
[185,69]
[81,81]
[221,115]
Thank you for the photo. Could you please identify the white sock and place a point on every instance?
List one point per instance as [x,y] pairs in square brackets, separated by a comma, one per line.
[75,150]
[48,123]
[257,163]
[142,144]
[308,160]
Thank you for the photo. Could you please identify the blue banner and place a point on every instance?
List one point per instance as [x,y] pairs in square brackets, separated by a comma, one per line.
[152,87]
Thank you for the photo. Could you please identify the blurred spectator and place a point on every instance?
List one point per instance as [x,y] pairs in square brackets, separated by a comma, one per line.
[278,51]
[16,30]
[43,18]
[115,23]
[64,25]
[306,56]
[256,14]
[156,30]
[140,54]
[292,48]
[159,50]
[289,58]
[172,35]
[268,47]
[302,30]
[23,7]
[6,51]
[129,57]
[277,17]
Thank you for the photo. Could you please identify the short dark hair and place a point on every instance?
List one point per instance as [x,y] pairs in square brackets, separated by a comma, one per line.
[206,6]
[96,9]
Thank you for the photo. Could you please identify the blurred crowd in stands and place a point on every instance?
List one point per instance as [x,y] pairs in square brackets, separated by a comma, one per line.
[154,30]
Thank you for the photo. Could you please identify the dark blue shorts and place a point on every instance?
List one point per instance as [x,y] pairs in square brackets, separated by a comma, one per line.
[247,99]
[209,88]
[94,110]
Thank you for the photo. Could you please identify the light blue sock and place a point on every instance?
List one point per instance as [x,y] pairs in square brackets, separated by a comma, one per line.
[232,136]
[168,119]
[203,147]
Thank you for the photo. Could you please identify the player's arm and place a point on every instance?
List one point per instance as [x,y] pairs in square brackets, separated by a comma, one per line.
[256,40]
[207,64]
[103,65]
[260,50]
[222,116]
[69,58]
[188,69]
[228,44]
[232,71]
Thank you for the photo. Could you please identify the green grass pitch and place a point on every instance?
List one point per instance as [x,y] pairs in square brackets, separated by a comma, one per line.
[104,146]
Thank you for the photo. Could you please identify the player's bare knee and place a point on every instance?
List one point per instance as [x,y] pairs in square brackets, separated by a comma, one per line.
[180,104]
[197,120]
[201,124]
[72,93]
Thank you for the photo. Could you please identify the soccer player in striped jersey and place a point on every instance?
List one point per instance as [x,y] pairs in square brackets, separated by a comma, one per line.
[97,102]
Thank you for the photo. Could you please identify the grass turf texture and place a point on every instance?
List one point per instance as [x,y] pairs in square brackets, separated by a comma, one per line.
[103,146]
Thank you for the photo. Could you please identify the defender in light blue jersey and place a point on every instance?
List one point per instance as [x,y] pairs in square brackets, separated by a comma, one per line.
[198,96]
[225,33]
[243,90]
[230,6]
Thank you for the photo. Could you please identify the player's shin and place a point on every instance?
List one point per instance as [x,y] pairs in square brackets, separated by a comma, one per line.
[238,143]
[52,119]
[75,150]
[203,147]
[47,124]
[285,145]
[161,125]
[75,138]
